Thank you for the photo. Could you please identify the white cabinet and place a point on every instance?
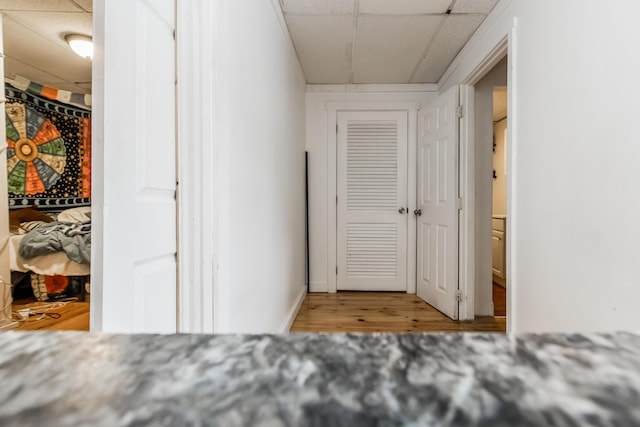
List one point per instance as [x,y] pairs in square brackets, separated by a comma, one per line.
[498,249]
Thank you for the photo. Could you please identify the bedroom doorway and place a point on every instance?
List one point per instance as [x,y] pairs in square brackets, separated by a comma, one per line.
[46,151]
[134,168]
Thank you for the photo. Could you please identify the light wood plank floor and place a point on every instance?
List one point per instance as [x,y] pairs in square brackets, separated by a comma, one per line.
[74,316]
[381,312]
[499,300]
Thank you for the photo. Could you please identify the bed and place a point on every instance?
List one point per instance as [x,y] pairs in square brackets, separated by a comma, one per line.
[46,271]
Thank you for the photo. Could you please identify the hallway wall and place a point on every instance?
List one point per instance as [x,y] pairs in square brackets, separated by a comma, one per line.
[260,123]
[572,251]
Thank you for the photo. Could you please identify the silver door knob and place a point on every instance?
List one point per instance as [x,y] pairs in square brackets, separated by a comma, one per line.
[417,212]
[401,210]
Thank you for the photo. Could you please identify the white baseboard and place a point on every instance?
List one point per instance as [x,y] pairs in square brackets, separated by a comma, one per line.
[293,312]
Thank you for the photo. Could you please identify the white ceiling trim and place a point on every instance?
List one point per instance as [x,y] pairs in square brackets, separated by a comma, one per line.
[371,88]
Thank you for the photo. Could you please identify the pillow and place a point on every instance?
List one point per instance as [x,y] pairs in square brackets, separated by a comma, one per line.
[80,214]
[27,214]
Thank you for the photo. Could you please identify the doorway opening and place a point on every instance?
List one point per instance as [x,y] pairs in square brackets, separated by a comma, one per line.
[486,224]
[499,202]
[46,153]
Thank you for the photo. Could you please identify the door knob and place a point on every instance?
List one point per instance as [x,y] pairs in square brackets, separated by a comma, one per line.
[401,210]
[417,212]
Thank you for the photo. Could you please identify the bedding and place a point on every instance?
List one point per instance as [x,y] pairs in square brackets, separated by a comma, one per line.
[72,239]
[57,263]
[49,265]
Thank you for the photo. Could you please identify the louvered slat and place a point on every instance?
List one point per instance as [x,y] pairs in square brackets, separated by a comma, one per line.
[372,250]
[372,169]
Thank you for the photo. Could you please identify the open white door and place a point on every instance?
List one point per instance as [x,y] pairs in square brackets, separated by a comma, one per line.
[372,201]
[134,207]
[437,228]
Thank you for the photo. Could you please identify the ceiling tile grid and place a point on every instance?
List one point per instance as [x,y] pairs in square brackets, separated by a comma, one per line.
[34,42]
[473,6]
[387,49]
[40,5]
[390,41]
[87,5]
[454,33]
[55,28]
[403,7]
[330,60]
[318,7]
[30,48]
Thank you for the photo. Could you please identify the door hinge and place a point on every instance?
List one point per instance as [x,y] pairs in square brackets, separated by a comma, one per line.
[336,200]
[336,128]
[459,203]
[459,295]
[460,111]
[336,270]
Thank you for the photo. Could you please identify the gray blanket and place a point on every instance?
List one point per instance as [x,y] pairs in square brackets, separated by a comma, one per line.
[72,239]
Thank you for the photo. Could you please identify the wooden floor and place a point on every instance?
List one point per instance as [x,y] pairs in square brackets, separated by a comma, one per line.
[320,312]
[499,300]
[74,316]
[381,312]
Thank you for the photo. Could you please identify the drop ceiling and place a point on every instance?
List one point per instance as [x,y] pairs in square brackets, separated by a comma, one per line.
[380,41]
[337,41]
[34,44]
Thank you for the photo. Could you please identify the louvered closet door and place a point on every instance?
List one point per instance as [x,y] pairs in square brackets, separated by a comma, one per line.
[372,201]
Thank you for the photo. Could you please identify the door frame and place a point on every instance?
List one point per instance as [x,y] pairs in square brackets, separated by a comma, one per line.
[196,184]
[197,24]
[467,263]
[333,108]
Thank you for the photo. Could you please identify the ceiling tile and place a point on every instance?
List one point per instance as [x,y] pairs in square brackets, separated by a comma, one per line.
[85,4]
[323,44]
[403,7]
[40,5]
[389,48]
[317,7]
[54,26]
[454,33]
[474,6]
[30,48]
[13,68]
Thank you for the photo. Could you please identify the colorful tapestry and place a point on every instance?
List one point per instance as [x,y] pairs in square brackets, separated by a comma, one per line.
[48,153]
[78,99]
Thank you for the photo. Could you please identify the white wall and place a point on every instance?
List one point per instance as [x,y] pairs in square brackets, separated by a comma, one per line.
[573,204]
[317,138]
[259,102]
[576,197]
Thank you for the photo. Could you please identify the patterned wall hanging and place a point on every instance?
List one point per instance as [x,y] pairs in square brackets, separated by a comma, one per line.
[48,153]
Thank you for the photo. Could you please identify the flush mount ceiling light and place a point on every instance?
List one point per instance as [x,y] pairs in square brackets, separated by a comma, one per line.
[81,45]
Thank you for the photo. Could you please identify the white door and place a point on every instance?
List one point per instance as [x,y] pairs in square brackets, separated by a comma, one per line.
[134,269]
[372,201]
[437,228]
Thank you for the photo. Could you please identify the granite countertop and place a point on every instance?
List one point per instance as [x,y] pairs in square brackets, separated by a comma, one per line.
[74,379]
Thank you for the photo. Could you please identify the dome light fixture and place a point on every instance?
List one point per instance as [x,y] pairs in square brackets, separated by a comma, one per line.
[81,45]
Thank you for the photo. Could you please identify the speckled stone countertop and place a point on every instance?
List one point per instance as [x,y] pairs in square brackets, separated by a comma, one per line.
[76,379]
